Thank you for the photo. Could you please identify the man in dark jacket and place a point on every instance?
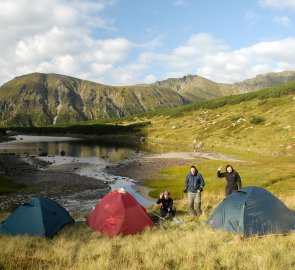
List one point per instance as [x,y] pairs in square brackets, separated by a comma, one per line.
[167,209]
[194,184]
[233,180]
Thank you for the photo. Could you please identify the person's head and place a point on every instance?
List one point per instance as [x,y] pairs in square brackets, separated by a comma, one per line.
[229,168]
[193,170]
[166,194]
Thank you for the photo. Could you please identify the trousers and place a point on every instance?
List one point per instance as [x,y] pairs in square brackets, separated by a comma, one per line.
[194,203]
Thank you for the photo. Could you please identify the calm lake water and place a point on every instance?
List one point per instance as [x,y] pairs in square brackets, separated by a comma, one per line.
[73,147]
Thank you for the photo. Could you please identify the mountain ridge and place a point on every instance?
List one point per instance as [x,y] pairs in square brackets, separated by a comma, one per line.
[40,99]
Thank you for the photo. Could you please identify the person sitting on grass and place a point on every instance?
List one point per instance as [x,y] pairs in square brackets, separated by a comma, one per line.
[166,202]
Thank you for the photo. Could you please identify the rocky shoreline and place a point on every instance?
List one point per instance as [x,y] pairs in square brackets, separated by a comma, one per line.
[56,182]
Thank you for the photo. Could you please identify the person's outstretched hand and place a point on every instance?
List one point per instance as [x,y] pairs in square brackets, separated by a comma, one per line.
[219,169]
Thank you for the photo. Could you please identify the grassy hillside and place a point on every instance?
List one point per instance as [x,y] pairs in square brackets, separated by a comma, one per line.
[196,88]
[258,122]
[266,80]
[42,99]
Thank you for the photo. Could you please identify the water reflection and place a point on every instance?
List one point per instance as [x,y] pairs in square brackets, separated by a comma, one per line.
[35,145]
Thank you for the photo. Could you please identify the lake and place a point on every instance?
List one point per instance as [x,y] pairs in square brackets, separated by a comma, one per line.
[73,147]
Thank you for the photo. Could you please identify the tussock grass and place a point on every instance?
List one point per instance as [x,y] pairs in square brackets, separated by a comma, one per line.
[190,245]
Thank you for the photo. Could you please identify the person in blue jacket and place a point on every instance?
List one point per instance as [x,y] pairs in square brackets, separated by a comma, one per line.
[194,184]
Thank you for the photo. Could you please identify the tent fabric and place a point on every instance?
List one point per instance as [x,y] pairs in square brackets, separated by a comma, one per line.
[37,217]
[252,211]
[142,200]
[119,213]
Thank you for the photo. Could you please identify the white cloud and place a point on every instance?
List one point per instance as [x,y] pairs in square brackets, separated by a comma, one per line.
[208,57]
[284,20]
[31,40]
[232,66]
[278,3]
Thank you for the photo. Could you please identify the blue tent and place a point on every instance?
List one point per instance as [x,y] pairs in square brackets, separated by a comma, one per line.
[252,211]
[37,217]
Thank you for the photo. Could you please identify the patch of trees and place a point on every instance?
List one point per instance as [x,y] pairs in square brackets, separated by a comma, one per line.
[98,129]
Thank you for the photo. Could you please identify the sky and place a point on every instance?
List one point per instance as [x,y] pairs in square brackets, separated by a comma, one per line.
[125,42]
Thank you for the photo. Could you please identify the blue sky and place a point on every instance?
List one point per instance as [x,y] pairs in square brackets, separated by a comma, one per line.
[122,42]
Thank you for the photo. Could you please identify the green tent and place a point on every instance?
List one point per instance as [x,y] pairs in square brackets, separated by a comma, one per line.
[37,217]
[252,211]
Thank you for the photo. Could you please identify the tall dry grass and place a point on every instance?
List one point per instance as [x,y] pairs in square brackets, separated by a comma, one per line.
[188,245]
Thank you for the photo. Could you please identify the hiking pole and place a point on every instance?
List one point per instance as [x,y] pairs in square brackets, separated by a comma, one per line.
[157,215]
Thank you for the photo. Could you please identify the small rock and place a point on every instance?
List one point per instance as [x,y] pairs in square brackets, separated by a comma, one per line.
[287,127]
[289,147]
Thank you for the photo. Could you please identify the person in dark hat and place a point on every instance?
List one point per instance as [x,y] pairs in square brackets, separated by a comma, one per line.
[166,202]
[233,179]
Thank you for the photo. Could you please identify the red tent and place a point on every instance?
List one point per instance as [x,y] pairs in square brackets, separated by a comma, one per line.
[119,213]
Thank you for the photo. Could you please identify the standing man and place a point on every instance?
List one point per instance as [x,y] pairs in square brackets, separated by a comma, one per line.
[233,180]
[194,185]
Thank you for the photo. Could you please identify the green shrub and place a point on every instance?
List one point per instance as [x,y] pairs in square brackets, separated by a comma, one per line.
[261,102]
[257,120]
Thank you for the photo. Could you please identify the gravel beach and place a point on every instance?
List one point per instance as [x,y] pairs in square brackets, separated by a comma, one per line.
[56,182]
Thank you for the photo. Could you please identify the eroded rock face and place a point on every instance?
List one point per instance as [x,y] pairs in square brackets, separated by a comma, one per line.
[41,99]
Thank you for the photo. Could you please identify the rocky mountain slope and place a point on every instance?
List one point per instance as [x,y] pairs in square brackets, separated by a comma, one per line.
[42,99]
[196,88]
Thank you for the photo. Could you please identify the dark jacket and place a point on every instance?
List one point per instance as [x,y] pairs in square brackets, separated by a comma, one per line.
[233,180]
[193,183]
[167,209]
[166,204]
